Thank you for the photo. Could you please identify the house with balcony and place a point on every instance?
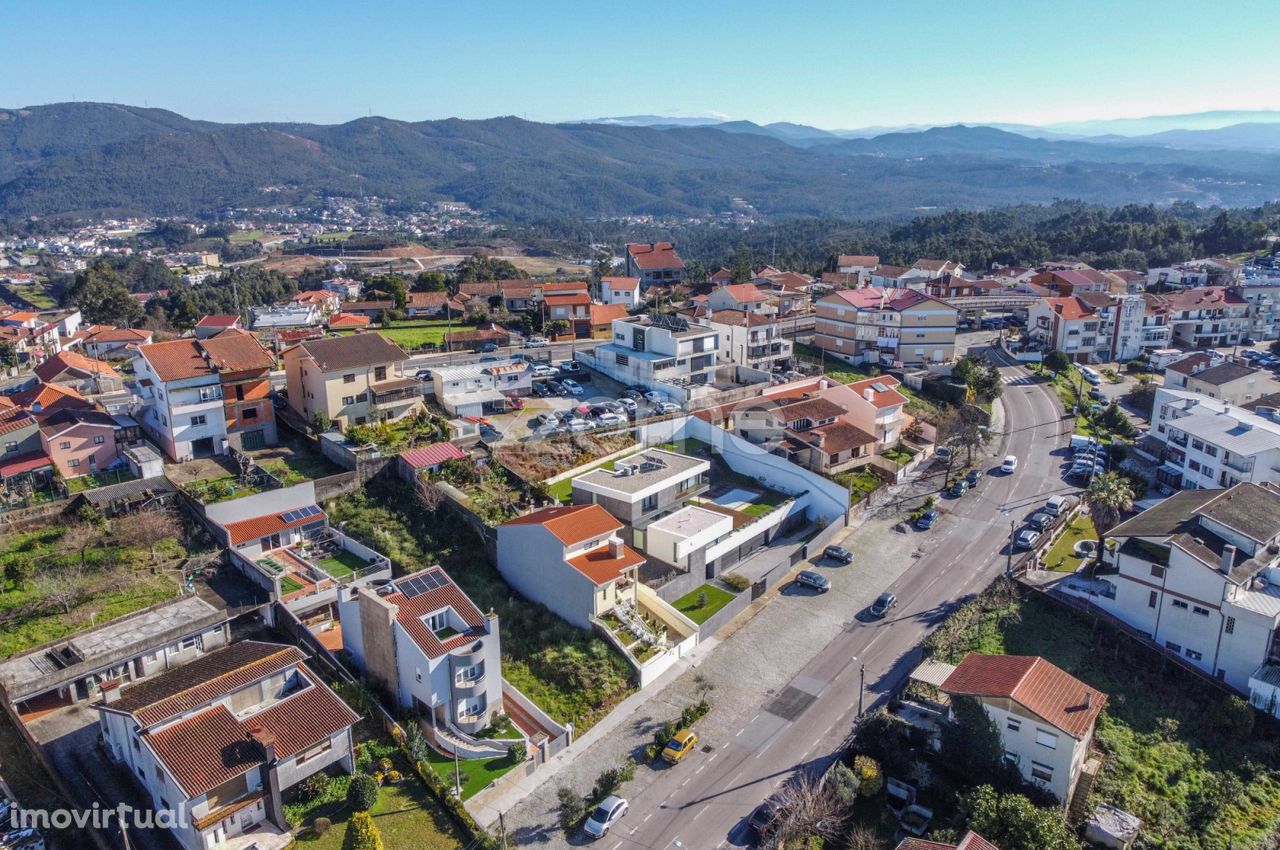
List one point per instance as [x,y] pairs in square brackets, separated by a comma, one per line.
[1223,379]
[891,327]
[220,739]
[1045,716]
[661,352]
[1199,575]
[572,560]
[428,644]
[643,486]
[86,441]
[1207,443]
[620,290]
[108,341]
[813,433]
[351,380]
[654,263]
[748,338]
[573,307]
[1260,287]
[1207,316]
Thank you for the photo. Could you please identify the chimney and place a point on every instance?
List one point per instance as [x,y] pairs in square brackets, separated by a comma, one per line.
[1188,403]
[823,384]
[1228,558]
[266,740]
[869,394]
[110,691]
[615,547]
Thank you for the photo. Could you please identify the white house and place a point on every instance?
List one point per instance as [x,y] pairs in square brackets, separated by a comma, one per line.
[478,388]
[664,353]
[620,290]
[221,738]
[1044,714]
[742,297]
[424,640]
[750,338]
[1211,443]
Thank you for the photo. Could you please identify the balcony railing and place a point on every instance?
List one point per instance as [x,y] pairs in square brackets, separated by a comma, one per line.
[1239,464]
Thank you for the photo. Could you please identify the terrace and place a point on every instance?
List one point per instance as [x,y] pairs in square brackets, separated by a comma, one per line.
[310,572]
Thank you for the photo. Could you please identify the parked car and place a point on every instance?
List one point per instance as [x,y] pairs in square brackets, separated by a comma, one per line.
[545,371]
[1057,505]
[927,519]
[487,347]
[974,476]
[540,390]
[664,407]
[610,420]
[576,425]
[1009,464]
[809,578]
[1040,521]
[681,744]
[943,453]
[633,394]
[557,388]
[536,342]
[884,603]
[628,404]
[423,374]
[546,419]
[611,810]
[571,367]
[838,553]
[762,817]
[1027,538]
[1097,395]
[597,410]
[571,386]
[1248,340]
[488,359]
[958,489]
[653,396]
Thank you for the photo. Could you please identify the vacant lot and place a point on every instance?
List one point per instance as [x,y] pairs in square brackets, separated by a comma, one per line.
[1180,754]
[545,458]
[419,334]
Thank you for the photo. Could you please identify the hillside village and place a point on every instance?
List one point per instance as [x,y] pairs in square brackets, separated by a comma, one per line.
[505,555]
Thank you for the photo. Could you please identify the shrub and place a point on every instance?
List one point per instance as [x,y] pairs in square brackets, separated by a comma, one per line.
[651,751]
[843,783]
[384,764]
[571,809]
[607,782]
[394,777]
[737,581]
[321,825]
[362,793]
[702,599]
[518,752]
[868,774]
[363,833]
[315,785]
[628,770]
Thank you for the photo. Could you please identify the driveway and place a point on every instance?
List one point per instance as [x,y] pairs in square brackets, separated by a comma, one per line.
[786,684]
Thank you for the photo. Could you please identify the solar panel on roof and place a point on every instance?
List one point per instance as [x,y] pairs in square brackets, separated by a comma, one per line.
[424,583]
[300,513]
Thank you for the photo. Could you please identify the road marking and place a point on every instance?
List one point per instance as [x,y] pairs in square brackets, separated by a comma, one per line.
[740,731]
[616,846]
[753,720]
[646,817]
[701,767]
[686,781]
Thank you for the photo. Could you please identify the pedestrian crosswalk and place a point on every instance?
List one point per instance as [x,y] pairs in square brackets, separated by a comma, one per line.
[1017,380]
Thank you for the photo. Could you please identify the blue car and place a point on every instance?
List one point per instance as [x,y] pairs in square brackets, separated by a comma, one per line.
[927,519]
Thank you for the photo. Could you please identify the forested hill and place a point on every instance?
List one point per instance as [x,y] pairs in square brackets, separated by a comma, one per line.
[87,157]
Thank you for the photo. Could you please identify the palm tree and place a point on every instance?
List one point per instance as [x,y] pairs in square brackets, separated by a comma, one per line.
[1109,495]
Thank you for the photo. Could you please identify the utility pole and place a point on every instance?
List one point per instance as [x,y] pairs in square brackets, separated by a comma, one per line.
[1008,569]
[862,684]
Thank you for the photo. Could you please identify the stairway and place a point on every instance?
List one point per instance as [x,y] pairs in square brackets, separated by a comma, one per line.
[1078,810]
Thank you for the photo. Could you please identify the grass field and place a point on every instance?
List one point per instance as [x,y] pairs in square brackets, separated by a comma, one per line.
[561,491]
[1062,556]
[241,237]
[690,606]
[343,564]
[410,337]
[1180,754]
[98,479]
[860,482]
[298,468]
[478,772]
[37,296]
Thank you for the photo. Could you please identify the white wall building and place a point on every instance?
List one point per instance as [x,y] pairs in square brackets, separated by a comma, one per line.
[664,353]
[1210,443]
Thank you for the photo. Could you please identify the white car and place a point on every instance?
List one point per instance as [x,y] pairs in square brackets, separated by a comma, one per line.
[545,371]
[1009,465]
[536,342]
[1027,538]
[627,404]
[577,424]
[666,407]
[609,420]
[572,386]
[611,810]
[653,396]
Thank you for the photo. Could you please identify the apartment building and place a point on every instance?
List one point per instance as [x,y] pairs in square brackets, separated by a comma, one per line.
[1098,326]
[1208,443]
[643,486]
[1045,716]
[1199,574]
[1207,316]
[655,262]
[661,352]
[751,339]
[1221,379]
[220,739]
[198,397]
[427,643]
[891,327]
[1260,287]
[351,380]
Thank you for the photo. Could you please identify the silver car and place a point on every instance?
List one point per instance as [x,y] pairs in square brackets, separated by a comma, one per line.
[611,810]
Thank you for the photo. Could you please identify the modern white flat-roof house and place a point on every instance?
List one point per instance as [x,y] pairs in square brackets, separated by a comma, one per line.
[1209,443]
[644,485]
[664,353]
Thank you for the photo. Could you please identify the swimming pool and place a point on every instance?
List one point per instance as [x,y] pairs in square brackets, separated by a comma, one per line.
[734,497]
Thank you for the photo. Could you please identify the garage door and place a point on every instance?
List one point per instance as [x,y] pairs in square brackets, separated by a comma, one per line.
[254,440]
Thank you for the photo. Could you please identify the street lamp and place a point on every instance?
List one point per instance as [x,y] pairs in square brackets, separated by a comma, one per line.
[1008,569]
[862,683]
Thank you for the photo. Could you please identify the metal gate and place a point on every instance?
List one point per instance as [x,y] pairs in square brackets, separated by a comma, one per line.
[757,589]
[253,440]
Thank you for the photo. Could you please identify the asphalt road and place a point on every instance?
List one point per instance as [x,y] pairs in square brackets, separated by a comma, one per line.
[703,803]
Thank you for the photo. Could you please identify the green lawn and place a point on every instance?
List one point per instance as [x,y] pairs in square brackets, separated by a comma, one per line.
[241,237]
[764,503]
[691,446]
[1181,755]
[860,482]
[289,585]
[689,605]
[416,335]
[297,468]
[502,727]
[1061,557]
[99,479]
[478,772]
[343,564]
[210,491]
[834,368]
[37,296]
[899,456]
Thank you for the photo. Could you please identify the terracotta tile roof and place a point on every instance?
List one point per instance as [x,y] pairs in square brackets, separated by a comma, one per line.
[1069,307]
[564,287]
[1204,298]
[424,300]
[841,437]
[369,305]
[1036,684]
[410,611]
[1268,400]
[890,271]
[571,524]
[571,299]
[743,293]
[348,320]
[858,260]
[352,352]
[212,747]
[234,351]
[933,265]
[176,360]
[604,313]
[65,420]
[816,409]
[252,529]
[14,419]
[49,397]
[192,685]
[480,289]
[659,255]
[110,334]
[621,284]
[1189,364]
[64,361]
[792,281]
[19,316]
[218,322]
[14,465]
[877,298]
[880,398]
[314,296]
[971,841]
[432,455]
[602,566]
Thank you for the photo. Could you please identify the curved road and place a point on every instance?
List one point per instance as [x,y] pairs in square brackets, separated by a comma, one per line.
[703,802]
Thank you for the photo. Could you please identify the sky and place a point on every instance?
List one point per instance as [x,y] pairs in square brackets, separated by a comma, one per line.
[835,65]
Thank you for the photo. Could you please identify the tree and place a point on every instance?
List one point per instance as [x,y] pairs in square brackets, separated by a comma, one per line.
[1108,496]
[981,377]
[571,809]
[1142,397]
[971,745]
[517,752]
[1057,361]
[8,354]
[1013,822]
[392,286]
[843,783]
[103,298]
[478,267]
[556,327]
[362,793]
[602,266]
[741,264]
[806,808]
[430,282]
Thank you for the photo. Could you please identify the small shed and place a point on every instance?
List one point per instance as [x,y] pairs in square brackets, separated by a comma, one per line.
[1112,827]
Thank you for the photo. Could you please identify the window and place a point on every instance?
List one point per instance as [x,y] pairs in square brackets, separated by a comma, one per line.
[379,373]
[649,502]
[1010,757]
[1175,647]
[417,675]
[1211,451]
[1178,603]
[74,462]
[1157,571]
[1230,627]
[1193,465]
[315,752]
[99,440]
[349,379]
[10,447]
[160,778]
[1151,600]
[348,399]
[164,805]
[239,392]
[250,413]
[1042,772]
[198,420]
[438,621]
[65,444]
[1193,655]
[1196,609]
[1046,739]
[1198,445]
[1013,724]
